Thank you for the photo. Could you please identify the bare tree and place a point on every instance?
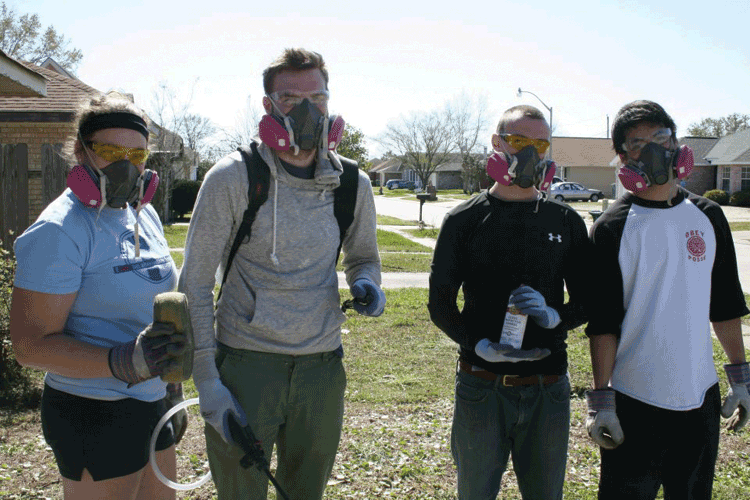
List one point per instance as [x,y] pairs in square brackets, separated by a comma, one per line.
[179,139]
[244,131]
[469,122]
[22,37]
[422,141]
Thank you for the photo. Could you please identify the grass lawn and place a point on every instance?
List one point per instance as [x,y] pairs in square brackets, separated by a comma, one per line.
[396,436]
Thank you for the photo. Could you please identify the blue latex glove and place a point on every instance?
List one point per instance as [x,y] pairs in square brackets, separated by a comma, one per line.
[532,303]
[369,298]
[497,353]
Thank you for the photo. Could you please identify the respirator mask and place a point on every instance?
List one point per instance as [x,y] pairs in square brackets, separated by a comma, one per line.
[654,166]
[524,169]
[302,128]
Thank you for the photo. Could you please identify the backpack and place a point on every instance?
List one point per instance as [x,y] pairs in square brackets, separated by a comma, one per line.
[258,175]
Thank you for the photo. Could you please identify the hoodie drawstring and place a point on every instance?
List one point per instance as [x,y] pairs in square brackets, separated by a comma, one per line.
[275,259]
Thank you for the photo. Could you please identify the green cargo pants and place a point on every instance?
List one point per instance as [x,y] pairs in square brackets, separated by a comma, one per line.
[294,402]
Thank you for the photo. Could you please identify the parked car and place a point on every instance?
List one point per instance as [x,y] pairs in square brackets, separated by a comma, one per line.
[400,184]
[572,191]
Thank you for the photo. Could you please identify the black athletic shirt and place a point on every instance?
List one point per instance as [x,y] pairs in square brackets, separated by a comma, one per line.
[489,247]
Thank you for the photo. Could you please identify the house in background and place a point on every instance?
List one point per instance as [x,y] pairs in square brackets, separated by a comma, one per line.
[585,160]
[447,175]
[703,176]
[731,158]
[37,106]
[384,171]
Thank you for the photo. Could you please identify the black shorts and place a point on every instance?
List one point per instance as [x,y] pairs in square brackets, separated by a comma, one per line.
[108,438]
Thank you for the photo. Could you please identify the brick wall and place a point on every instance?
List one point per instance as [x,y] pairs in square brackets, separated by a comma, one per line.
[34,134]
[701,179]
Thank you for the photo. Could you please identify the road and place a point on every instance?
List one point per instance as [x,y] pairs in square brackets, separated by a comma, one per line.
[433,213]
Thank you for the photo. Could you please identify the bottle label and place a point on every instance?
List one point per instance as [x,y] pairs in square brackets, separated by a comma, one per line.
[514,327]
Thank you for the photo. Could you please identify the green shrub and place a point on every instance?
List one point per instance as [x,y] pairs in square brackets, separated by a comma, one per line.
[718,195]
[16,386]
[182,198]
[740,198]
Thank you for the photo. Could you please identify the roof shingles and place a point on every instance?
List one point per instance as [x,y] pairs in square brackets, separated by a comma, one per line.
[63,94]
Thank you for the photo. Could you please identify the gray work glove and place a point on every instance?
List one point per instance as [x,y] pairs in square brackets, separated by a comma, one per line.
[602,423]
[216,401]
[737,403]
[497,353]
[156,350]
[180,419]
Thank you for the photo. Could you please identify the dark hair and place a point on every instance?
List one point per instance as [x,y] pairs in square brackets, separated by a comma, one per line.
[516,113]
[293,60]
[633,114]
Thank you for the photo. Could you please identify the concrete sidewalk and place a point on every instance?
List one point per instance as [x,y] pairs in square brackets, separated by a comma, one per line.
[434,213]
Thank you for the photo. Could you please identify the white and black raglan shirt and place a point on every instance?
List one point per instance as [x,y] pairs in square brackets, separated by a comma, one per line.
[668,270]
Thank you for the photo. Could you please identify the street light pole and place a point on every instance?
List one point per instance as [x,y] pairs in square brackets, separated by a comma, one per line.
[549,108]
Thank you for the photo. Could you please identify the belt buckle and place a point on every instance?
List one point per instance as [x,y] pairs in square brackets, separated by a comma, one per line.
[508,376]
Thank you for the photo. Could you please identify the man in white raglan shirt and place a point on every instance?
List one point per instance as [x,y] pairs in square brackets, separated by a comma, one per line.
[668,258]
[270,354]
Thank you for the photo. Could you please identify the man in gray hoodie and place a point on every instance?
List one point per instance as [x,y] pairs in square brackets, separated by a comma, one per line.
[269,354]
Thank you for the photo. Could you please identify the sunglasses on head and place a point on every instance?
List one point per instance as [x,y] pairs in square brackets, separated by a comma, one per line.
[519,142]
[113,153]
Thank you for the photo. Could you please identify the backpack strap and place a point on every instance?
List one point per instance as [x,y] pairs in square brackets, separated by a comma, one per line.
[345,198]
[258,177]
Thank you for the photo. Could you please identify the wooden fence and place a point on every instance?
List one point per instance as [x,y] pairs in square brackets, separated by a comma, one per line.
[15,196]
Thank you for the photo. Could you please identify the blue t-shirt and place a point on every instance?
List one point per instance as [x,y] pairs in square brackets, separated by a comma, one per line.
[72,248]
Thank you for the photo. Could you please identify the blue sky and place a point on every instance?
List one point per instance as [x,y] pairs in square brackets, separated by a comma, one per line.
[388,58]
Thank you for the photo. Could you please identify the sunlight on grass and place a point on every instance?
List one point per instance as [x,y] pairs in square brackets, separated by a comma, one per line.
[175,235]
[392,242]
[387,220]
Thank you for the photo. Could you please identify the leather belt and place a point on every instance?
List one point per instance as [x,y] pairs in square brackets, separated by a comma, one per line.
[508,380]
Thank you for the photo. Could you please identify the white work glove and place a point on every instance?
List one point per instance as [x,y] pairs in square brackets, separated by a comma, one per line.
[497,353]
[216,402]
[602,422]
[737,403]
[532,303]
[369,299]
[156,350]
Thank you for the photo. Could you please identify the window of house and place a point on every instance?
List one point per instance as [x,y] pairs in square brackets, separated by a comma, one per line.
[745,179]
[724,178]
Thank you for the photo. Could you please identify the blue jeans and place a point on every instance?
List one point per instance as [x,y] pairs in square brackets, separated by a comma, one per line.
[491,422]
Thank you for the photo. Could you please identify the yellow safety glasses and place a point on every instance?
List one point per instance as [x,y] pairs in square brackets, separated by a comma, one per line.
[519,142]
[113,153]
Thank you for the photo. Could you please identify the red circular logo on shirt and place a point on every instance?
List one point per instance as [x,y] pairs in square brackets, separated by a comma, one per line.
[696,246]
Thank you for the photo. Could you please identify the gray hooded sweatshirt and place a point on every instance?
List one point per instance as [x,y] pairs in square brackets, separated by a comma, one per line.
[281,294]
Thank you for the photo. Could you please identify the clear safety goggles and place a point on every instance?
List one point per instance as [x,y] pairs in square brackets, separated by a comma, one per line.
[662,137]
[291,98]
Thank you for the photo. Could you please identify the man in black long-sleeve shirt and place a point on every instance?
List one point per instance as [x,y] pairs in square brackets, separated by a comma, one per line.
[508,246]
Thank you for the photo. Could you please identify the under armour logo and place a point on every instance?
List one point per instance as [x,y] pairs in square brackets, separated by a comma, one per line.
[553,237]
